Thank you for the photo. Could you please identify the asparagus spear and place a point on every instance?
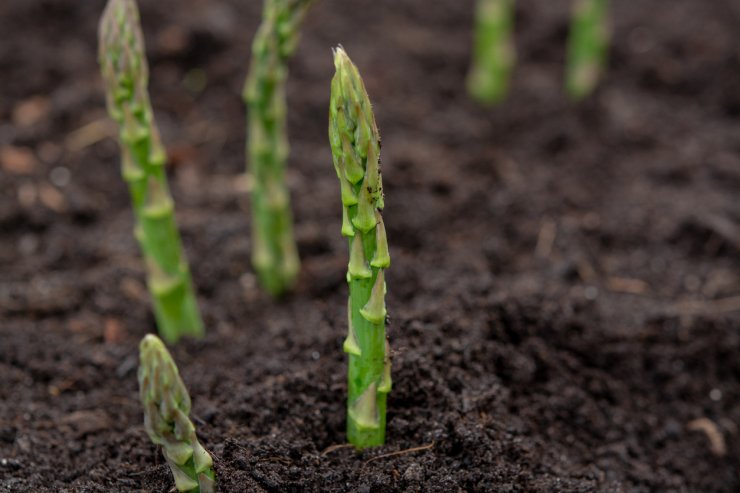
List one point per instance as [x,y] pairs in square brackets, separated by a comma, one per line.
[493,51]
[125,73]
[166,407]
[355,145]
[587,46]
[274,253]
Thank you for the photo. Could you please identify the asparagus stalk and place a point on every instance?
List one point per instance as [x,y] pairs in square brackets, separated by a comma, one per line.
[125,73]
[493,51]
[166,407]
[587,46]
[355,145]
[274,252]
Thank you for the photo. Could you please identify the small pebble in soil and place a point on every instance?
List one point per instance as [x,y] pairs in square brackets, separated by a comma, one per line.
[590,293]
[413,473]
[7,435]
[209,415]
[248,282]
[28,244]
[10,464]
[127,366]
[27,194]
[60,176]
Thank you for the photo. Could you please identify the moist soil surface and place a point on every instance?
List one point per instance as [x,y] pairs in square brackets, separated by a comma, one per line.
[563,298]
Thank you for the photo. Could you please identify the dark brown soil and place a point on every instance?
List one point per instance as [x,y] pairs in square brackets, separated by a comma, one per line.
[564,289]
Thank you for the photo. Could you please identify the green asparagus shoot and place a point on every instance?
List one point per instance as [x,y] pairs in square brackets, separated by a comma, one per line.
[587,46]
[493,51]
[355,146]
[166,408]
[274,252]
[125,73]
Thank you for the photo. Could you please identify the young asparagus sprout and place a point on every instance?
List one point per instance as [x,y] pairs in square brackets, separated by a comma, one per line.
[493,51]
[166,407]
[125,73]
[274,252]
[587,46]
[355,145]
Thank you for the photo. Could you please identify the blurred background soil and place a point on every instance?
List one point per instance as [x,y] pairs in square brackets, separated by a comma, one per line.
[564,294]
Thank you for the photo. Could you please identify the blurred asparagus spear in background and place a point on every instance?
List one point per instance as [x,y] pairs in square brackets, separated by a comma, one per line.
[493,51]
[588,44]
[166,408]
[274,252]
[355,145]
[125,73]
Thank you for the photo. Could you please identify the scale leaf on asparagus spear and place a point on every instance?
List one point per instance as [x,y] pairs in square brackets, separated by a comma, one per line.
[166,405]
[274,252]
[125,74]
[355,145]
